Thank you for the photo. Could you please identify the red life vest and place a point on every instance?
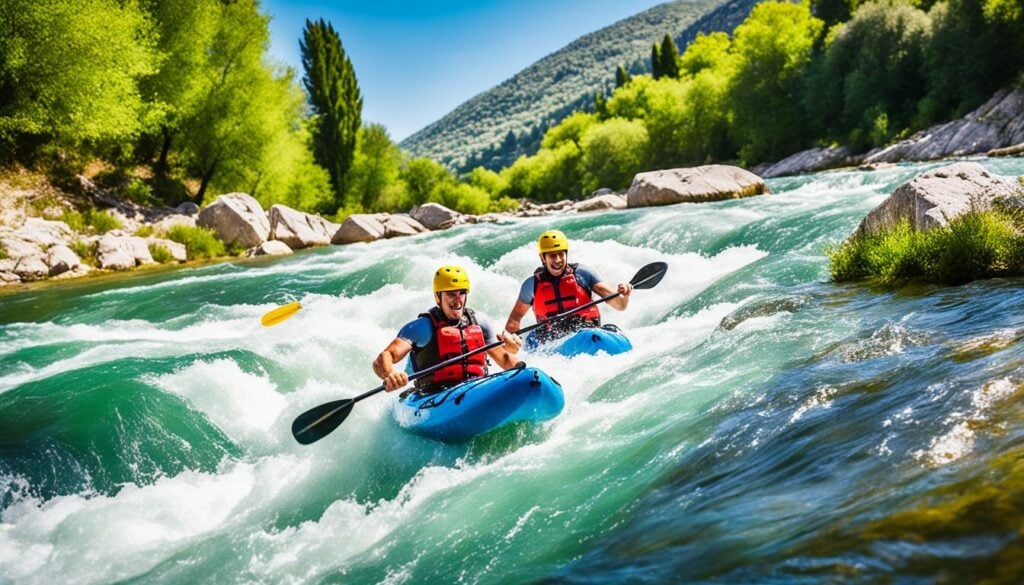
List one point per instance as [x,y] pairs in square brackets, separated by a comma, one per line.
[450,340]
[552,295]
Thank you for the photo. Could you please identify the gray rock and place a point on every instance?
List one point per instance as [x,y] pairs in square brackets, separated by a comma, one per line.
[237,219]
[359,227]
[998,123]
[7,278]
[187,208]
[435,216]
[402,225]
[601,203]
[933,198]
[808,161]
[45,233]
[31,267]
[115,252]
[298,229]
[140,249]
[270,248]
[695,184]
[168,221]
[61,259]
[17,247]
[1015,150]
[178,251]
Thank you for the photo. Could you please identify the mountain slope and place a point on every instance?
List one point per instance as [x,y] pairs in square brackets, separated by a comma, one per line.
[498,125]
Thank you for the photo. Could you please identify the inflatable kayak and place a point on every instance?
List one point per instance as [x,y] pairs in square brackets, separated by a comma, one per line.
[475,407]
[589,341]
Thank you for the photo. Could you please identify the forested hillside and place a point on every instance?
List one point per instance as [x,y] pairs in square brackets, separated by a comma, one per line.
[496,127]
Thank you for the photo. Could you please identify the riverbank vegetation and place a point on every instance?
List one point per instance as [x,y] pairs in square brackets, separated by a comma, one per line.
[982,243]
[178,101]
[790,77]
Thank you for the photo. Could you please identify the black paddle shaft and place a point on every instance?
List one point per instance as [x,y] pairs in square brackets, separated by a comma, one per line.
[318,422]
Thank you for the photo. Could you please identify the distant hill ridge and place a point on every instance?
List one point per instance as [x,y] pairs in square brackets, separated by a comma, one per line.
[497,126]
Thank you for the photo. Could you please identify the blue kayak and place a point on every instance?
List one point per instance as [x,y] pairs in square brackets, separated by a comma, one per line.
[475,407]
[589,341]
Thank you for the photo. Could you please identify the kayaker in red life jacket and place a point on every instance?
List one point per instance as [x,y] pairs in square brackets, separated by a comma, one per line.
[557,286]
[445,331]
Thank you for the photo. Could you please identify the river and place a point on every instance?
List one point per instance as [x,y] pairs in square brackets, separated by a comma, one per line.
[769,426]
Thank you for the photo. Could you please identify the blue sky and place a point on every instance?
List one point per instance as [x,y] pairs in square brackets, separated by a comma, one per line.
[417,61]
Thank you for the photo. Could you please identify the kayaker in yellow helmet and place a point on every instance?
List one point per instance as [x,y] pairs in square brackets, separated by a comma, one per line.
[557,286]
[446,330]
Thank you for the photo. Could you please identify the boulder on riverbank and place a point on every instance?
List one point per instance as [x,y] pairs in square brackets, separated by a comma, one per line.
[693,185]
[935,197]
[237,219]
[998,123]
[435,216]
[298,229]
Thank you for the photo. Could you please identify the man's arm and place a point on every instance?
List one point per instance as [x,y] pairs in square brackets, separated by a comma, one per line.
[518,312]
[620,302]
[505,355]
[384,365]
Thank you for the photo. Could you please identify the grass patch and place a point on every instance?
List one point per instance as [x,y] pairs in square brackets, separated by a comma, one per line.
[160,253]
[145,231]
[3,252]
[975,245]
[199,242]
[85,252]
[91,220]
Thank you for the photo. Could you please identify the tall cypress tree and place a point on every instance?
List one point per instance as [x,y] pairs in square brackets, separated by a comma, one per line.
[656,61]
[669,57]
[622,76]
[334,94]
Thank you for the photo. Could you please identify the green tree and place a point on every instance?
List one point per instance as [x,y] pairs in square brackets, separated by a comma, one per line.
[337,102]
[423,176]
[375,168]
[622,76]
[833,12]
[600,104]
[185,30]
[988,50]
[706,52]
[656,70]
[876,64]
[568,130]
[669,55]
[69,73]
[613,151]
[773,47]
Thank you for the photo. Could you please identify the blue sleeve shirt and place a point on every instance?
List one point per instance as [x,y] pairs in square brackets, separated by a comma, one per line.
[585,276]
[419,331]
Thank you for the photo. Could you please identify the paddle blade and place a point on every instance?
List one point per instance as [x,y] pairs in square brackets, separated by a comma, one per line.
[280,314]
[317,423]
[649,276]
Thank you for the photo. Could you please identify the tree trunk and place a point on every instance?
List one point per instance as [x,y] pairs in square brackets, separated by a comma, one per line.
[207,176]
[161,163]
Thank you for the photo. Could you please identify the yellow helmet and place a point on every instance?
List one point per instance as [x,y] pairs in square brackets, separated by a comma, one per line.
[450,277]
[552,241]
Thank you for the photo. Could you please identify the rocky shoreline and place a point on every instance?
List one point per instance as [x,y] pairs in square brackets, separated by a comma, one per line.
[37,248]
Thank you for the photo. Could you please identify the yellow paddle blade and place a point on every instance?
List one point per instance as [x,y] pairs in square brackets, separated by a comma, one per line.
[280,314]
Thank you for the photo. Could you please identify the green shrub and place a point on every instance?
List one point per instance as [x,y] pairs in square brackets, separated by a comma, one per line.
[85,252]
[138,191]
[199,242]
[145,231]
[160,253]
[3,252]
[503,204]
[74,219]
[977,244]
[92,220]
